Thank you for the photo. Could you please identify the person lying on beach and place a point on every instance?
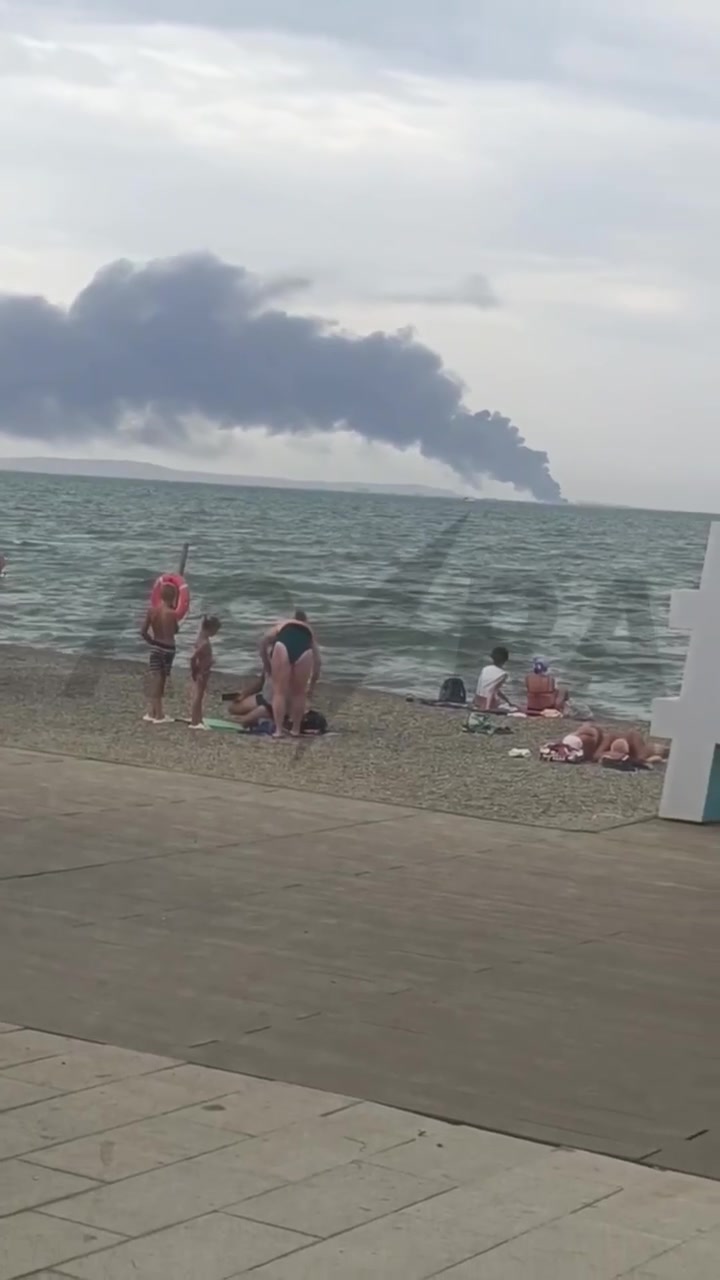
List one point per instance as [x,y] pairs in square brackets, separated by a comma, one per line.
[630,746]
[290,654]
[159,631]
[591,743]
[201,664]
[253,704]
[542,690]
[489,695]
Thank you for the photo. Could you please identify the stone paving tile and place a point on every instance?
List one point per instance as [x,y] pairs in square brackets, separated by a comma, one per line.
[30,1241]
[24,1046]
[48,1275]
[15,1093]
[432,1236]
[168,1195]
[377,1127]
[672,1205]
[302,1150]
[193,1084]
[209,1248]
[76,1115]
[263,1105]
[25,1186]
[568,1250]
[135,1148]
[696,1260]
[95,1064]
[607,1170]
[460,1154]
[338,1200]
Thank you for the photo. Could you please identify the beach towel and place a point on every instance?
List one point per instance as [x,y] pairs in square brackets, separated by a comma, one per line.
[624,764]
[435,702]
[477,723]
[230,726]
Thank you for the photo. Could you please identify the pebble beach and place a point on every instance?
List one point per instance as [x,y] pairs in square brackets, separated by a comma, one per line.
[382,747]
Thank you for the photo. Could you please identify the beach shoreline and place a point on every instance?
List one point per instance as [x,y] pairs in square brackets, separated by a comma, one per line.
[383,747]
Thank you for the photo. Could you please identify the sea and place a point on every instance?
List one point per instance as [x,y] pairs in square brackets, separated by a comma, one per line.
[402,590]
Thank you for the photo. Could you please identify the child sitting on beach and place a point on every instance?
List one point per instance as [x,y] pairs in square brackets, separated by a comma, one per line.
[489,695]
[159,631]
[200,667]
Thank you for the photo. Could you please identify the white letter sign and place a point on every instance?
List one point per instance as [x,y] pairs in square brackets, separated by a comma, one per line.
[692,785]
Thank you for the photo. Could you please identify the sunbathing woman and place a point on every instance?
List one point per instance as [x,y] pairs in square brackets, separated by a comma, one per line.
[543,693]
[602,744]
[291,656]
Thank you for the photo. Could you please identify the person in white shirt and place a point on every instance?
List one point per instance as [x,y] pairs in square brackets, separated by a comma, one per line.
[489,695]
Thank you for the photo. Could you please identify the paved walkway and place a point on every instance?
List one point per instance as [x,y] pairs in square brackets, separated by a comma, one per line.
[552,986]
[123,1166]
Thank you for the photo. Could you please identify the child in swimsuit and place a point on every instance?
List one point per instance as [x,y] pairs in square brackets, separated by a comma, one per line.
[159,632]
[200,667]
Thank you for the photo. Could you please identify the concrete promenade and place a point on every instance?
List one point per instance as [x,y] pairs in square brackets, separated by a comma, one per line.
[557,987]
[124,1166]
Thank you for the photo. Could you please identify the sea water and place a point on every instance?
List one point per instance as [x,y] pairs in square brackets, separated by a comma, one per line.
[402,590]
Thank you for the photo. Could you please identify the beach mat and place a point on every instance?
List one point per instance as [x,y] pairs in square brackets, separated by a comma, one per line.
[225,726]
[229,726]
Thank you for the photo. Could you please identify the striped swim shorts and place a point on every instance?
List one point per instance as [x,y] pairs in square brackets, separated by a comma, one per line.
[161,660]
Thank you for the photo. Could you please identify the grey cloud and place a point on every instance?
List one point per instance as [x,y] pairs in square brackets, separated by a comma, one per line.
[466,35]
[196,336]
[474,291]
[665,60]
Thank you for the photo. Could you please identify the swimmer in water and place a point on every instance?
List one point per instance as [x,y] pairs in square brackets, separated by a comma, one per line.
[290,654]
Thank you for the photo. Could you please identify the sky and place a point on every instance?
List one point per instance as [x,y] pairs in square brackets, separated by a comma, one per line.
[531,188]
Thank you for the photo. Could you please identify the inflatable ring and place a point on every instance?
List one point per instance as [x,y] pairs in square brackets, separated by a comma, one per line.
[183,592]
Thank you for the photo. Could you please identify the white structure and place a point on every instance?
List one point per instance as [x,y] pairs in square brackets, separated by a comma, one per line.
[692,786]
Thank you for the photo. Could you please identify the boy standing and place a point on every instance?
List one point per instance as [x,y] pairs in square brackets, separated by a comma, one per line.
[160,631]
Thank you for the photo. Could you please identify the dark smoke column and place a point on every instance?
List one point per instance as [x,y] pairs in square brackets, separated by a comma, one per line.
[196,336]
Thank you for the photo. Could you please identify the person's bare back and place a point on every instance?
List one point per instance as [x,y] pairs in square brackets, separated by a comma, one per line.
[161,625]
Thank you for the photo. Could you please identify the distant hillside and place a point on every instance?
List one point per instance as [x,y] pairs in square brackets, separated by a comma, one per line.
[128,470]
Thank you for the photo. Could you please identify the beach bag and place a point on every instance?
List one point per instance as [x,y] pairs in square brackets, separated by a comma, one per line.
[314,722]
[561,753]
[453,690]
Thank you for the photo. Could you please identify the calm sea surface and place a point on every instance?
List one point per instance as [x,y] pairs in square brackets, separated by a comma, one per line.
[403,591]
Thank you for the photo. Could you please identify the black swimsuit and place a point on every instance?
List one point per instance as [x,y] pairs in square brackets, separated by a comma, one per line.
[297,638]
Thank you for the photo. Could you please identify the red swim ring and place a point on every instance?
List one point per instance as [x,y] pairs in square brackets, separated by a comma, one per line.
[182,588]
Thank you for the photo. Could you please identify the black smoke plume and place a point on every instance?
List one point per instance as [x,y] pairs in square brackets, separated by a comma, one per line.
[194,336]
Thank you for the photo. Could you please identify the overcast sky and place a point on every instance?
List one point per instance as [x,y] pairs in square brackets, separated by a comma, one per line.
[533,185]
